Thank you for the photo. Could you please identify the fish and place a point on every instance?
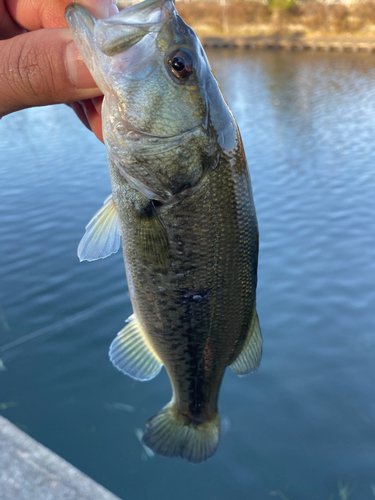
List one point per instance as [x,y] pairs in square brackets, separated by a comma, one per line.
[183,208]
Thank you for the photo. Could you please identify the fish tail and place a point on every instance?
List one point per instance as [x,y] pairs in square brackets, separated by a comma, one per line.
[171,434]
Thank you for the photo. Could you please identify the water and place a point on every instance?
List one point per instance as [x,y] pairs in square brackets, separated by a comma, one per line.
[303,426]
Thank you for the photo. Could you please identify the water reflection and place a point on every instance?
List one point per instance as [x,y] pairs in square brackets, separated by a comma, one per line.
[303,426]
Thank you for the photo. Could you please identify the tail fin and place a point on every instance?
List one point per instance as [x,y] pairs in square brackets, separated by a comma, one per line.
[173,435]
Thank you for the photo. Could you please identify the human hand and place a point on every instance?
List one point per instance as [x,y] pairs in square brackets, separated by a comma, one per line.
[39,63]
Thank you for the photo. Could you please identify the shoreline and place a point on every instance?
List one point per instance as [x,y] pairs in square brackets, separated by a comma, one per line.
[292,42]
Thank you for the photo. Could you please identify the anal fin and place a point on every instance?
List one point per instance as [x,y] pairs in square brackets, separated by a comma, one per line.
[249,358]
[132,354]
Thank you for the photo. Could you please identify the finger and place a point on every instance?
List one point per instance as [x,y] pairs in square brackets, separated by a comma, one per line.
[79,111]
[94,118]
[32,15]
[8,27]
[42,67]
[88,112]
[97,102]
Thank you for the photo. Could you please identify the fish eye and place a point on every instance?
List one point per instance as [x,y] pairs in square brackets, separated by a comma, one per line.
[181,64]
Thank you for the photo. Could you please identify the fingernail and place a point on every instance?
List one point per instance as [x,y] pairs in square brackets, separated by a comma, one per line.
[101,9]
[76,69]
[112,9]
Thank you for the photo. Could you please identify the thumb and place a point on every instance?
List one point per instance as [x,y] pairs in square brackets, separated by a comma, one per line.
[42,67]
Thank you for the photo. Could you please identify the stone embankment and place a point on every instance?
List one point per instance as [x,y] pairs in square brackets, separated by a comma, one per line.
[29,471]
[276,42]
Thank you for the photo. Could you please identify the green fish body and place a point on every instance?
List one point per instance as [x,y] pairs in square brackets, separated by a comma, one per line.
[182,203]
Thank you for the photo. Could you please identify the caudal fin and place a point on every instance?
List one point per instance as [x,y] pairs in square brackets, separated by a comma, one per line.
[173,435]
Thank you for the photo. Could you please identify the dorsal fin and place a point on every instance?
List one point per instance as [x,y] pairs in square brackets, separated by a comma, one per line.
[102,237]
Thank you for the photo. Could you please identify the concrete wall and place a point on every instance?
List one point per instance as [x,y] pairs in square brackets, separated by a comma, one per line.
[29,471]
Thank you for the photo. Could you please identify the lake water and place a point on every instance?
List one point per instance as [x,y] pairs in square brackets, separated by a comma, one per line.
[303,426]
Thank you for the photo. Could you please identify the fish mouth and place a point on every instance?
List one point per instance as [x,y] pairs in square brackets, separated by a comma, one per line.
[122,31]
[148,11]
[99,39]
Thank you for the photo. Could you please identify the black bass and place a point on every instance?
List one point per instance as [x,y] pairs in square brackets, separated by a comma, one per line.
[182,203]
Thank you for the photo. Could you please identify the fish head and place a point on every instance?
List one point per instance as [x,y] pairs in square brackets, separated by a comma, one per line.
[162,103]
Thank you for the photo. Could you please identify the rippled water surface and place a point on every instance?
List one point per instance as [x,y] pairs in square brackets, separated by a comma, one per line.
[304,425]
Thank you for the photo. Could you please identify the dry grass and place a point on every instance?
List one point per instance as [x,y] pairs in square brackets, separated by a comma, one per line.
[246,18]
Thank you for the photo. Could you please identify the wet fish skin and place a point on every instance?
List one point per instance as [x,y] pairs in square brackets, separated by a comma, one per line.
[183,198]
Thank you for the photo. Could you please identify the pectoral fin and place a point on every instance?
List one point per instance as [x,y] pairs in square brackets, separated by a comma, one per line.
[132,353]
[250,356]
[102,237]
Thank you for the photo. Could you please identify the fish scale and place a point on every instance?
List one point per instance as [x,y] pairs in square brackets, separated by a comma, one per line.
[182,202]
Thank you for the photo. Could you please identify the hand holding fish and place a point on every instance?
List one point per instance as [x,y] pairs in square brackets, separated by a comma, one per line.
[39,63]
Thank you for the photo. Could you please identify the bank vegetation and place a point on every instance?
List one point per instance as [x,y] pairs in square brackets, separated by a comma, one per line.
[284,17]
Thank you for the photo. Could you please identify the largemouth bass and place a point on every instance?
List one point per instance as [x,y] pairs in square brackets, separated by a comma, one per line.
[182,203]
